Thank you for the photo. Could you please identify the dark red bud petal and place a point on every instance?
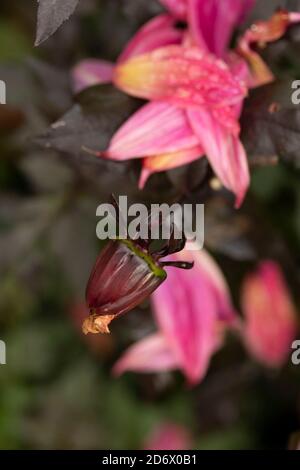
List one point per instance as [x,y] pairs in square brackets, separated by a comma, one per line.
[123,276]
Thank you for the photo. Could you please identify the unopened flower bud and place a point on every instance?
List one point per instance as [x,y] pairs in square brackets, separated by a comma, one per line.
[125,274]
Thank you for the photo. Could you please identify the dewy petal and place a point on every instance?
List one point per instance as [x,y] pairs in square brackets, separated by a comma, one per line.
[228,118]
[91,72]
[241,70]
[224,152]
[158,32]
[238,67]
[186,310]
[212,22]
[168,161]
[261,33]
[176,7]
[156,128]
[270,316]
[184,76]
[151,354]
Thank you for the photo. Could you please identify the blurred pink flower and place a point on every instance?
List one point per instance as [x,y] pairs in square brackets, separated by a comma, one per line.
[90,72]
[169,436]
[270,316]
[191,312]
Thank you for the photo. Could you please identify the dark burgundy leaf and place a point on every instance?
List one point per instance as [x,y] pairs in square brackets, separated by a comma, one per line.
[228,232]
[51,15]
[189,177]
[90,123]
[55,86]
[271,125]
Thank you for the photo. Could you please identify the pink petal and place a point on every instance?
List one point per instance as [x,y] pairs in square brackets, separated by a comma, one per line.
[158,32]
[191,309]
[238,67]
[270,316]
[294,17]
[184,76]
[156,128]
[151,354]
[207,268]
[176,7]
[169,436]
[186,310]
[91,72]
[168,161]
[212,22]
[228,117]
[224,152]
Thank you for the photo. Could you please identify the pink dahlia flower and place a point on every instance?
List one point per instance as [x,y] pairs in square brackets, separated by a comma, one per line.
[195,86]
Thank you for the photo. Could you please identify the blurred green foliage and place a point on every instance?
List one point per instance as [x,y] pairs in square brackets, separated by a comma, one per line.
[14,43]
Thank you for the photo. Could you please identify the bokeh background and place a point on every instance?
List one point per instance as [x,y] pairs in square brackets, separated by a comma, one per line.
[56,390]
